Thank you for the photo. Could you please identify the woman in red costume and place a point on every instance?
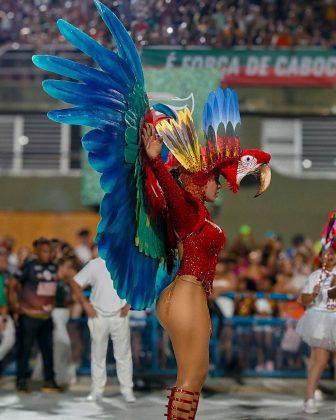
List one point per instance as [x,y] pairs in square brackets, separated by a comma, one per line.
[182,307]
[145,214]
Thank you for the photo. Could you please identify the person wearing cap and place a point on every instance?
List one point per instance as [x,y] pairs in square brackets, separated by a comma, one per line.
[32,293]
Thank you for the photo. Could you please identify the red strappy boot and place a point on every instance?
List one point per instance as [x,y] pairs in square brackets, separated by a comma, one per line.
[194,406]
[180,404]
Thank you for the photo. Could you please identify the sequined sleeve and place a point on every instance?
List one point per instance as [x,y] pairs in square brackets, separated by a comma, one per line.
[182,213]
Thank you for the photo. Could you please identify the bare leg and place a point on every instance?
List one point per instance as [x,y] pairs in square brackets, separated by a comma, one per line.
[317,362]
[333,358]
[182,310]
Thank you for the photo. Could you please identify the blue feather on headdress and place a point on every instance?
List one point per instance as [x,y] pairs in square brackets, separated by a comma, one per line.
[221,107]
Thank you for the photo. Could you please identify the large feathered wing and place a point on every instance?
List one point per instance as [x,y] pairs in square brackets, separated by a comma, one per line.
[111,99]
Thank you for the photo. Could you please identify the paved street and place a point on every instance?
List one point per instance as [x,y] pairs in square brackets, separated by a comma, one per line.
[256,400]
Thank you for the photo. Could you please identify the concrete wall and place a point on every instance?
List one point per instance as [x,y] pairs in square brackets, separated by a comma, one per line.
[24,227]
[40,194]
[289,206]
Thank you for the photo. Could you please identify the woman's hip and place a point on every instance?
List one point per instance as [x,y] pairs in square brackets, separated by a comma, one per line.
[183,301]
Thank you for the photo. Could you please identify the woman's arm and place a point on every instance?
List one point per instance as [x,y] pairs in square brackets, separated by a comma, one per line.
[332,293]
[3,314]
[182,213]
[13,288]
[307,298]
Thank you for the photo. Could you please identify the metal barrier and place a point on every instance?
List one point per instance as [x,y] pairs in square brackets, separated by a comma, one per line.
[243,346]
[238,345]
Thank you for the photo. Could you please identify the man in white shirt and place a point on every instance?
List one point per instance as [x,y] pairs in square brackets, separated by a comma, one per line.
[107,318]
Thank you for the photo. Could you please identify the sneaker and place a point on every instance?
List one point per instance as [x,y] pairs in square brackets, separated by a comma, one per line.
[128,396]
[93,397]
[22,388]
[51,387]
[309,406]
[318,395]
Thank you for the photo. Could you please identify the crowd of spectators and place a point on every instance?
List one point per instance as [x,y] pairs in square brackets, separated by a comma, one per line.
[256,285]
[213,23]
[254,282]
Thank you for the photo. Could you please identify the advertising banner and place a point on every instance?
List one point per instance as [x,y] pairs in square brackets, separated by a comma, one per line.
[306,67]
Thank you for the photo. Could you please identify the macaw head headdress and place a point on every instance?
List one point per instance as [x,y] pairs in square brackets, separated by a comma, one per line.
[328,239]
[221,154]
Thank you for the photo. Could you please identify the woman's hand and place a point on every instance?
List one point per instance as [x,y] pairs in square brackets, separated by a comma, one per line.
[316,290]
[3,321]
[153,145]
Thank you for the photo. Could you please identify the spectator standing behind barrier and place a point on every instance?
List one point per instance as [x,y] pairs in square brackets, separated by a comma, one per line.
[108,317]
[8,243]
[225,281]
[32,297]
[264,308]
[244,307]
[83,249]
[7,330]
[67,267]
[317,327]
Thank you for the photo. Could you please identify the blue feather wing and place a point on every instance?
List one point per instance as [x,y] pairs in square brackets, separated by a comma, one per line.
[112,100]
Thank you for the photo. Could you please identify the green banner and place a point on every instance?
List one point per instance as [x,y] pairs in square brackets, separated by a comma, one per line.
[308,66]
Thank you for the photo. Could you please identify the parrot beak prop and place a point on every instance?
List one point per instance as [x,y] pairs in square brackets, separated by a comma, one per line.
[263,175]
[255,162]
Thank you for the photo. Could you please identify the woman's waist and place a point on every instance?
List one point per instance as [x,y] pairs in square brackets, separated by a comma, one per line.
[202,270]
[194,275]
[190,284]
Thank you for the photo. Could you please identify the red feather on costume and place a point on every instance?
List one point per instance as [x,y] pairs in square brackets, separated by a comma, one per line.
[329,233]
[151,118]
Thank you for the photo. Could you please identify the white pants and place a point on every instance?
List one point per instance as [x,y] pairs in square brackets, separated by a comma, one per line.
[62,345]
[101,328]
[7,339]
[61,349]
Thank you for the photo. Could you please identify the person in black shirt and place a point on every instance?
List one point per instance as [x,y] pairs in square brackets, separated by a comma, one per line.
[65,371]
[32,296]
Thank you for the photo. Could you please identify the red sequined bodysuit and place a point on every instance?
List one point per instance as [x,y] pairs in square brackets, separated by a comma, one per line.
[202,240]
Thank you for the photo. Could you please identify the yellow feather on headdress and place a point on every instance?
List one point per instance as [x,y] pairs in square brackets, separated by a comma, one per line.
[181,139]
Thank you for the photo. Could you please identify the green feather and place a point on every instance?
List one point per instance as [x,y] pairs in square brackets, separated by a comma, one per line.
[149,233]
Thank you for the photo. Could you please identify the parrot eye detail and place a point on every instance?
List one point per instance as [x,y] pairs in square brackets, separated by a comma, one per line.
[247,158]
